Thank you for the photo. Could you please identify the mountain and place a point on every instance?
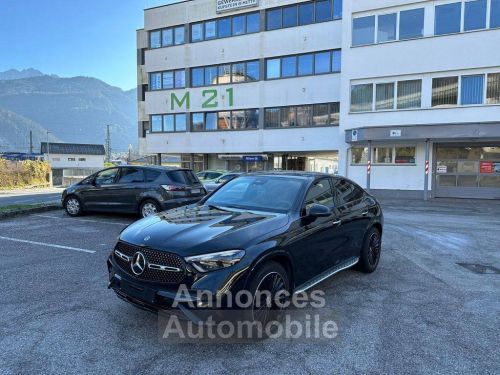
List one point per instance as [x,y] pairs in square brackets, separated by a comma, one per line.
[73,110]
[19,74]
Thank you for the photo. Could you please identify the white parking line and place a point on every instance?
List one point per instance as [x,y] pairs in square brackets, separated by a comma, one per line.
[87,220]
[47,244]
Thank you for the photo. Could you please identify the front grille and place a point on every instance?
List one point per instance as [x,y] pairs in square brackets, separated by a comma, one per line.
[152,257]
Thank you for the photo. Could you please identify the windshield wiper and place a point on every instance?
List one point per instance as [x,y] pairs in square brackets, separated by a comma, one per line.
[214,207]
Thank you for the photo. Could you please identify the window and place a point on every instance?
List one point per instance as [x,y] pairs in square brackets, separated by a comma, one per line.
[444,91]
[336,61]
[131,175]
[210,30]
[337,9]
[305,65]
[71,159]
[472,90]
[306,13]
[274,19]
[168,123]
[238,72]
[224,74]
[319,193]
[289,66]
[156,124]
[273,68]
[179,35]
[323,10]
[272,118]
[180,122]
[411,24]
[382,155]
[361,97]
[198,121]
[197,77]
[290,16]
[359,155]
[248,119]
[253,71]
[475,15]
[168,80]
[167,37]
[347,192]
[82,159]
[151,175]
[223,27]
[252,118]
[409,94]
[106,177]
[384,93]
[253,22]
[210,75]
[239,25]
[405,155]
[224,120]
[495,13]
[155,81]
[387,27]
[304,115]
[493,90]
[447,18]
[211,121]
[197,32]
[155,39]
[321,114]
[180,78]
[322,62]
[363,30]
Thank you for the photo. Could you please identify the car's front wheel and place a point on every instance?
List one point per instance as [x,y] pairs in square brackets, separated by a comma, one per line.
[370,254]
[269,288]
[149,207]
[73,206]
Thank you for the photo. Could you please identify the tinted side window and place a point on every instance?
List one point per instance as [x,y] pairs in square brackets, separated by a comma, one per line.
[151,175]
[182,177]
[129,175]
[320,192]
[106,177]
[346,192]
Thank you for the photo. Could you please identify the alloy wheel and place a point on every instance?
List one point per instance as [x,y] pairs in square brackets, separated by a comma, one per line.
[149,209]
[73,206]
[374,249]
[265,305]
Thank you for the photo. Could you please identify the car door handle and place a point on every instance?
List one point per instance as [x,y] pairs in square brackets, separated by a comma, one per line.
[337,222]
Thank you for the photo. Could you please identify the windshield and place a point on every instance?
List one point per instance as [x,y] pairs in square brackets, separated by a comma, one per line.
[258,193]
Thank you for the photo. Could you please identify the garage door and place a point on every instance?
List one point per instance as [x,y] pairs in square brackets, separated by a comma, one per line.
[467,171]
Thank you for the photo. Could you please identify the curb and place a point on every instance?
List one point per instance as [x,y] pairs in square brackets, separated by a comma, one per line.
[32,210]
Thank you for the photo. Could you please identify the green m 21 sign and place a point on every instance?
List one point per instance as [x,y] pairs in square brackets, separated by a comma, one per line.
[209,99]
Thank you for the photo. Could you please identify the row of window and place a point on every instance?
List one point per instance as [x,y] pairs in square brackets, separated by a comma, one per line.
[384,155]
[302,116]
[323,114]
[249,71]
[70,159]
[303,14]
[446,91]
[304,64]
[225,27]
[409,24]
[167,37]
[248,23]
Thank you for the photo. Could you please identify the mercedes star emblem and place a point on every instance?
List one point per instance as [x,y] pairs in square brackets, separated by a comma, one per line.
[138,263]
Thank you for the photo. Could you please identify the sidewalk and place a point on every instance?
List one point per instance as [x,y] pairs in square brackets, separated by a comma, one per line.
[17,192]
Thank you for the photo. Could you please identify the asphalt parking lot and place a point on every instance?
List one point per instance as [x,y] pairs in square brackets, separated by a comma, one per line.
[433,305]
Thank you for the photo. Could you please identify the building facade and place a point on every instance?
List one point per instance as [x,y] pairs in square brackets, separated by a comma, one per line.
[71,162]
[401,96]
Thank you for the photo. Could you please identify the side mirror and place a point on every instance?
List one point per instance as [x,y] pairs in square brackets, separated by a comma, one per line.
[319,210]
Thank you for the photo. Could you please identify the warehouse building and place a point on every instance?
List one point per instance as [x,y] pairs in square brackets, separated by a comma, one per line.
[401,96]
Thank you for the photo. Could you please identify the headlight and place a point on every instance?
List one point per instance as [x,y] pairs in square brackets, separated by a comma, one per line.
[215,261]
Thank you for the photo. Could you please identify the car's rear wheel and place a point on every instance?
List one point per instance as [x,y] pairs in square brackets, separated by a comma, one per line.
[268,288]
[149,207]
[370,254]
[73,206]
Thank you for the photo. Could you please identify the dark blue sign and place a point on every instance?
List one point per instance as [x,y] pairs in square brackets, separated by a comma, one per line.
[252,158]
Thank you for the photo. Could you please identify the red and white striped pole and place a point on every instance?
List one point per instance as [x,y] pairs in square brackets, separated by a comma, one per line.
[369,167]
[427,167]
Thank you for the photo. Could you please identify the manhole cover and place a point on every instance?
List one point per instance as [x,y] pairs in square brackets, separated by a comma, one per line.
[480,268]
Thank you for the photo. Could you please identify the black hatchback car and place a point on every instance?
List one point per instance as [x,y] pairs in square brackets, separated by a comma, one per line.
[145,190]
[258,232]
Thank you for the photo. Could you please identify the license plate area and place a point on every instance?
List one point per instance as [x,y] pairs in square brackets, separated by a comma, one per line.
[138,292]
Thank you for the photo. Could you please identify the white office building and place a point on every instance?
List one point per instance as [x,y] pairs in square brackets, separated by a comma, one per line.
[401,96]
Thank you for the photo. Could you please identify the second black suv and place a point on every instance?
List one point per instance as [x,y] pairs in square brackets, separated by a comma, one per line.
[142,189]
